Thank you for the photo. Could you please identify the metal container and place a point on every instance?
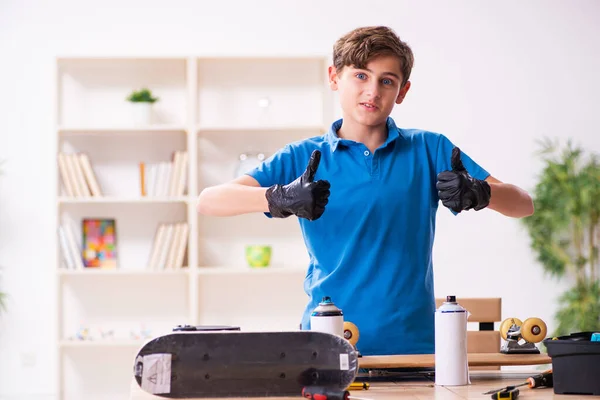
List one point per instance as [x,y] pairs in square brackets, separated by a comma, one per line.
[327,317]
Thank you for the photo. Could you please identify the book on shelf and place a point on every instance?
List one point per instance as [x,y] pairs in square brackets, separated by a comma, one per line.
[70,246]
[77,175]
[169,246]
[165,178]
[91,245]
[99,243]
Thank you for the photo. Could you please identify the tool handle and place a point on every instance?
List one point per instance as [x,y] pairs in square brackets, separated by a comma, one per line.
[506,394]
[358,386]
[544,379]
[323,393]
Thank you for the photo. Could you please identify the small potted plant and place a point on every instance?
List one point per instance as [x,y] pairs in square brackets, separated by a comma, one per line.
[141,103]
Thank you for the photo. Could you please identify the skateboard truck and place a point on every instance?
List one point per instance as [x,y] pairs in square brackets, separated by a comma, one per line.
[520,337]
[513,347]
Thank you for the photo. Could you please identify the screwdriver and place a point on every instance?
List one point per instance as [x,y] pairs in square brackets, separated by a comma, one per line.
[544,379]
[322,393]
[359,386]
[506,394]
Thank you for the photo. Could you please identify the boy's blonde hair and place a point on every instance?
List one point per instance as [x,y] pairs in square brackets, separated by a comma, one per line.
[358,47]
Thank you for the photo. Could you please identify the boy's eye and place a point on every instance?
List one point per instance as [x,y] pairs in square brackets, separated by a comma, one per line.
[387,82]
[360,75]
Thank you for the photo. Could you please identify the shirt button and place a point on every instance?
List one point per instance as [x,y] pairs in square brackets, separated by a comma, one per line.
[367,152]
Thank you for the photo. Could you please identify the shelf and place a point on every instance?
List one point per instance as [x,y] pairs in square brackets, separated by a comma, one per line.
[264,95]
[213,114]
[266,128]
[68,344]
[212,270]
[124,200]
[121,272]
[93,91]
[78,130]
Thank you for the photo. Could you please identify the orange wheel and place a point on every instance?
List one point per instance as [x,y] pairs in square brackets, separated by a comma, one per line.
[507,324]
[534,330]
[351,333]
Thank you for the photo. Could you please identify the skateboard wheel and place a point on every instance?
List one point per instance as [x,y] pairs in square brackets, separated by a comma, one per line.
[506,324]
[533,330]
[351,333]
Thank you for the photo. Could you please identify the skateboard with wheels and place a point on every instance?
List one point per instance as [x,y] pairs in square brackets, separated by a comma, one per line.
[533,330]
[520,336]
[195,362]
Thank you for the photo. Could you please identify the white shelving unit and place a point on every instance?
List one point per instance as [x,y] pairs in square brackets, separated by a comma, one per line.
[215,109]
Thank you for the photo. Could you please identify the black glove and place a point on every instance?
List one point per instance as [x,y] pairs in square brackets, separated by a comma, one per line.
[302,197]
[460,191]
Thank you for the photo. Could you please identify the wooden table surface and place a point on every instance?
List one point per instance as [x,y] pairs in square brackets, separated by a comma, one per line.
[475,360]
[422,388]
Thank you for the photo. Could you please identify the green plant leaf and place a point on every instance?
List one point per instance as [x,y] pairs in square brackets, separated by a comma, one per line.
[580,309]
[565,230]
[2,302]
[143,95]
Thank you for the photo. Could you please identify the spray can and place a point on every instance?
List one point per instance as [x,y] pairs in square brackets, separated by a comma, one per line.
[327,317]
[451,362]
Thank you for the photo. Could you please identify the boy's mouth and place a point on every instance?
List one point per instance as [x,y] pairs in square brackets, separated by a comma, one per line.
[369,106]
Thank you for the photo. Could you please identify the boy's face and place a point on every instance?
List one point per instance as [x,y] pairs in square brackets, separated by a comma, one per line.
[368,95]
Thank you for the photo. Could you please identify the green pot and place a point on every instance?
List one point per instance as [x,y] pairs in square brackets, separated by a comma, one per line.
[258,256]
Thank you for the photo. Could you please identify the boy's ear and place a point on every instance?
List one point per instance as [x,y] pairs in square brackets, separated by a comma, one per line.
[333,77]
[403,92]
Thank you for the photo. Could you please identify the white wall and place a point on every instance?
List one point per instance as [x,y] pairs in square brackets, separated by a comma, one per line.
[494,76]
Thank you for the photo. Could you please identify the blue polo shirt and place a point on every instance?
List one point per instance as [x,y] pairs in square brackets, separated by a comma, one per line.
[371,250]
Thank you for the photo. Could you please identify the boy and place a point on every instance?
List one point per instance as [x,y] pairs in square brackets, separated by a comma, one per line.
[366,194]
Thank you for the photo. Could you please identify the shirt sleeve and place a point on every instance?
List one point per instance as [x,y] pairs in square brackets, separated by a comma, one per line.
[444,156]
[443,161]
[277,169]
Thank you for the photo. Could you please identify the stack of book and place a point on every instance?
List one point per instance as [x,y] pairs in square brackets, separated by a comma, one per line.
[77,175]
[164,179]
[168,249]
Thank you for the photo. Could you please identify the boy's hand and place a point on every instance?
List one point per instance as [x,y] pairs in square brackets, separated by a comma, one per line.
[303,197]
[460,191]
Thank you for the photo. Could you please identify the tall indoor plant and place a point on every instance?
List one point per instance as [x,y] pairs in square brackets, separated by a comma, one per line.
[2,302]
[2,294]
[565,231]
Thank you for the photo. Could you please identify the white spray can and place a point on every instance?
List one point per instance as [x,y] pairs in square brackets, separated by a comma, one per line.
[451,362]
[327,317]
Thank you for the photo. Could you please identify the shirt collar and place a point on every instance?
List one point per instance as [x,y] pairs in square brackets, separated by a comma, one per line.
[334,140]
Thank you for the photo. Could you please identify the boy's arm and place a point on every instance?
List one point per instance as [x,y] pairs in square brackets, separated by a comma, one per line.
[458,190]
[240,196]
[508,199]
[303,197]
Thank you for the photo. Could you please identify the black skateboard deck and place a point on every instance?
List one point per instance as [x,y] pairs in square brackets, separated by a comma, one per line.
[229,363]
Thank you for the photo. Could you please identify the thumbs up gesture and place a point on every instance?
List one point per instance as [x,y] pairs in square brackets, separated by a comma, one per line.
[460,191]
[303,197]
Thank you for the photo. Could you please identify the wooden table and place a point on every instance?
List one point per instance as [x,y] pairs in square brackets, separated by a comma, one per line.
[474,359]
[422,388]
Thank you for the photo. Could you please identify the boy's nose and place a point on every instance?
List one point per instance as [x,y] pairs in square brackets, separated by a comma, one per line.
[374,91]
